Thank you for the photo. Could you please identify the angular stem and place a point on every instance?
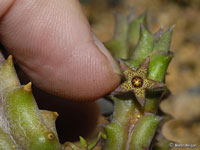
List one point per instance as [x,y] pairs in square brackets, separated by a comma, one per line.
[117,133]
[132,128]
[123,110]
[143,132]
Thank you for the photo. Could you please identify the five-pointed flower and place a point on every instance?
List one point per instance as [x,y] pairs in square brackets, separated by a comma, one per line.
[137,81]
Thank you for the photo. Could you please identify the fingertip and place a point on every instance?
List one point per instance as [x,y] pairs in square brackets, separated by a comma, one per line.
[57,51]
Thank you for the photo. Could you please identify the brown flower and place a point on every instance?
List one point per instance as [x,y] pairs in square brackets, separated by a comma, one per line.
[137,81]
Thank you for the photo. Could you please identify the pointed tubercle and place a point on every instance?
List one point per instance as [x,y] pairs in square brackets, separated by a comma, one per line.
[28,87]
[159,85]
[141,101]
[142,27]
[172,28]
[123,65]
[55,114]
[10,59]
[159,33]
[118,90]
[146,62]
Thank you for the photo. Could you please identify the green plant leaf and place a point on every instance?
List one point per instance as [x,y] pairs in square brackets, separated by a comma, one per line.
[83,142]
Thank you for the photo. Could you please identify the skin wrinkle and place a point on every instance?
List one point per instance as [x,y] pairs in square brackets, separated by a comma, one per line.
[48,52]
[62,29]
[92,62]
[16,21]
[74,70]
[36,34]
[59,25]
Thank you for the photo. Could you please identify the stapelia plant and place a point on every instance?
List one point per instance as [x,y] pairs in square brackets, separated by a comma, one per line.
[144,58]
[22,125]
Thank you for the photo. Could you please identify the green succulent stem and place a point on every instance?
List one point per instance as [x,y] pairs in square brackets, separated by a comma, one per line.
[118,45]
[133,127]
[116,136]
[123,110]
[6,141]
[143,132]
[134,32]
[152,103]
[122,119]
[22,125]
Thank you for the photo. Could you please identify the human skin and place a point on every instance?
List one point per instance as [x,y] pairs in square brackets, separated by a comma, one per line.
[53,44]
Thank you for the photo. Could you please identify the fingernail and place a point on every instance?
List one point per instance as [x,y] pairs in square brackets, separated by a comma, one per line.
[103,49]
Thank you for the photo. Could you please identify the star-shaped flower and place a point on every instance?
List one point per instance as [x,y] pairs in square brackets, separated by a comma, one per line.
[137,81]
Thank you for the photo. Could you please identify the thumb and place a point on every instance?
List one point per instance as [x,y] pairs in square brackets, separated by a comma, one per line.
[52,42]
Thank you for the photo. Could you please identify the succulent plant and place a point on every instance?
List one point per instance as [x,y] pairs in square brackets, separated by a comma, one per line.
[143,57]
[22,125]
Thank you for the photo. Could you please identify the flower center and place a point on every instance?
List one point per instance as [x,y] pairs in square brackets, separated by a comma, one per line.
[137,81]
